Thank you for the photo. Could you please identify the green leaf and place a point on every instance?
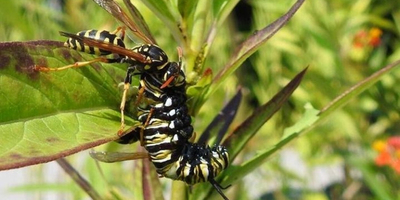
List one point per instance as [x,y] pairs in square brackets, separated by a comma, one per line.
[45,116]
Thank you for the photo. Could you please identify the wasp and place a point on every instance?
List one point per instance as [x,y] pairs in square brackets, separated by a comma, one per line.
[147,57]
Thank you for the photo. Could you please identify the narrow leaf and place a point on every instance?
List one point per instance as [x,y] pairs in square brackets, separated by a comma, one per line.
[221,9]
[251,45]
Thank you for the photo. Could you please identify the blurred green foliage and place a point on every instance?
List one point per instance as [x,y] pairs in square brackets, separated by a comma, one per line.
[334,38]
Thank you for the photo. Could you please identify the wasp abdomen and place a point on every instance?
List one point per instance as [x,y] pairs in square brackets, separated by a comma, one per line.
[104,36]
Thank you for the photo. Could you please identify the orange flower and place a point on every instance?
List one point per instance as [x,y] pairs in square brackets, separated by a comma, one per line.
[389,153]
[394,142]
[363,39]
[375,37]
[359,39]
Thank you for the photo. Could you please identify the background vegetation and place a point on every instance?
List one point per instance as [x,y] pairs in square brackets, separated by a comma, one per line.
[342,42]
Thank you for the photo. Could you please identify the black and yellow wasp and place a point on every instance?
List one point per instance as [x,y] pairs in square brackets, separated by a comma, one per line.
[166,132]
[146,57]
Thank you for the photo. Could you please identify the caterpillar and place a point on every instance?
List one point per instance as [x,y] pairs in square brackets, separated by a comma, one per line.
[167,132]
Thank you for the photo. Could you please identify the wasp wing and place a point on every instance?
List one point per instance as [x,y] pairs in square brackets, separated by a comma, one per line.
[107,47]
[115,10]
[223,120]
[138,18]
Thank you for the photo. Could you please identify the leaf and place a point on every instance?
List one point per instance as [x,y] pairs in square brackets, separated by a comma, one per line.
[45,116]
[221,10]
[310,119]
[29,93]
[200,45]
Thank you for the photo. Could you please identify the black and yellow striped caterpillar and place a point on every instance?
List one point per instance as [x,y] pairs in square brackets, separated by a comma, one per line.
[167,133]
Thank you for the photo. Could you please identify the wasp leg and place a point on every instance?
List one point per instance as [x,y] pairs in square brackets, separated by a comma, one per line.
[122,107]
[144,126]
[128,79]
[140,95]
[75,65]
[120,29]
